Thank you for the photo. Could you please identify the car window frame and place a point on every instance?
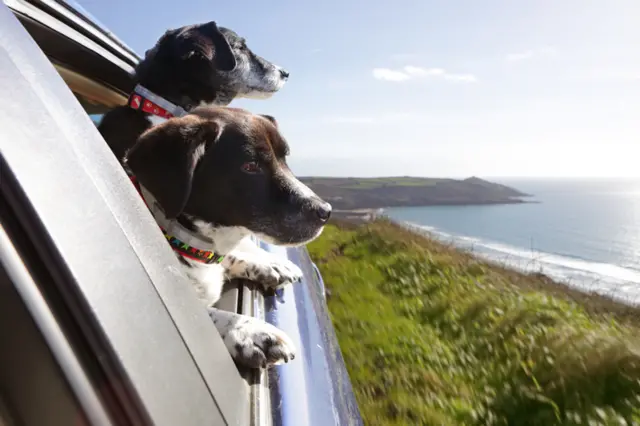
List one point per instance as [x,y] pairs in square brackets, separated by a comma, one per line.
[91,177]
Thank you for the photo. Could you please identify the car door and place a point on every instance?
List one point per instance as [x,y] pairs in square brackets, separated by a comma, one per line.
[127,340]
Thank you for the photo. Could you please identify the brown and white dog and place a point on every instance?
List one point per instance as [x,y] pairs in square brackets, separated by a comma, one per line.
[211,179]
[190,66]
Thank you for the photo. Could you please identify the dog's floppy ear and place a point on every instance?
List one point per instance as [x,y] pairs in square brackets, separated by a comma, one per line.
[225,59]
[164,159]
[206,41]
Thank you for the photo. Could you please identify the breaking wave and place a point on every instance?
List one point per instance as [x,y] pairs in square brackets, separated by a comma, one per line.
[616,281]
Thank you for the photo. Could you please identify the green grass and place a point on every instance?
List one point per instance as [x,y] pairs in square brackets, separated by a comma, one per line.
[433,336]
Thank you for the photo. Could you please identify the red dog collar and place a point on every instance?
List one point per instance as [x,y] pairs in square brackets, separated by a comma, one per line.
[146,101]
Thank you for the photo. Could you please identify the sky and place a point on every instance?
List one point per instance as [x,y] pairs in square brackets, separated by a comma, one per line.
[440,88]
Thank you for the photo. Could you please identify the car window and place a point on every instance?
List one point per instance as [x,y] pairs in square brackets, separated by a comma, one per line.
[94,97]
[94,109]
[117,294]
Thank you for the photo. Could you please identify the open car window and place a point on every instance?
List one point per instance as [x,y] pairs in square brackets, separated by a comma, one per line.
[109,286]
[105,275]
[96,99]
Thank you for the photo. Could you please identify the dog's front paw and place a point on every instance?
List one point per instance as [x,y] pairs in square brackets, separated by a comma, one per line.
[278,273]
[258,344]
[252,342]
[270,271]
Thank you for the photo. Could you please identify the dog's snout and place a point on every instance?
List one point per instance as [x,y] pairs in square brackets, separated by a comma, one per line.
[284,73]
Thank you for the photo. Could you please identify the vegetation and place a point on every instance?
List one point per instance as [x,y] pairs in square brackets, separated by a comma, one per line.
[373,193]
[433,336]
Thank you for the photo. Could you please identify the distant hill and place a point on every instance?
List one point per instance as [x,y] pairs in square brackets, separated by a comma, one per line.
[373,193]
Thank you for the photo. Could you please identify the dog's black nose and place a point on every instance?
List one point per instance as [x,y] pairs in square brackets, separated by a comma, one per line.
[324,211]
[284,73]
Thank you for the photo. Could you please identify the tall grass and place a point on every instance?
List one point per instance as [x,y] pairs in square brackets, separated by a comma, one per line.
[433,336]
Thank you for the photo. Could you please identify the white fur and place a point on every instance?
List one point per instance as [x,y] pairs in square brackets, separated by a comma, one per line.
[273,80]
[207,280]
[250,341]
[262,267]
[255,84]
[225,238]
[198,153]
[299,186]
[243,260]
[256,343]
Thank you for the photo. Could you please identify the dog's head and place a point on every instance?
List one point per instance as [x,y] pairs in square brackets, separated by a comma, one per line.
[210,64]
[227,167]
[254,76]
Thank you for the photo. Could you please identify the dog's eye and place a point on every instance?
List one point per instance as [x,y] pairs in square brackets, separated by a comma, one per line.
[251,167]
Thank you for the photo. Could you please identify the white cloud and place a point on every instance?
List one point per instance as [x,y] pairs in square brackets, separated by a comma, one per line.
[389,75]
[530,54]
[423,72]
[410,72]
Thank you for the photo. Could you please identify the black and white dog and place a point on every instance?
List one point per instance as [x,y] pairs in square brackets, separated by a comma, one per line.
[190,66]
[211,179]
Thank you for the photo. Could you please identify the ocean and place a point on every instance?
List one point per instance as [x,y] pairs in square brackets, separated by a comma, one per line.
[585,233]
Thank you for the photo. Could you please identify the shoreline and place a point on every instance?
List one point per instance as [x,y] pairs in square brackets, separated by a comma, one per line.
[363,210]
[449,327]
[608,302]
[367,214]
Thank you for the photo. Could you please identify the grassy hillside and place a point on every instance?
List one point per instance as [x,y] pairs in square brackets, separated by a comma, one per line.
[432,336]
[368,193]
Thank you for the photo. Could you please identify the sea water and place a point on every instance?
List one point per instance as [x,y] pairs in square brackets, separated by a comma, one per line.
[585,233]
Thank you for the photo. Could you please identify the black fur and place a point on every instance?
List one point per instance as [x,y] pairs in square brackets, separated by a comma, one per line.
[190,66]
[196,166]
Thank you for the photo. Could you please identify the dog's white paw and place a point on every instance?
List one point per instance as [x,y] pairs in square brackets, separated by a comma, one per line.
[252,342]
[278,273]
[270,271]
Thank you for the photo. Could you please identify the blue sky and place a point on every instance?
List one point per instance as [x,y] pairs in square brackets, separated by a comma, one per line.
[434,87]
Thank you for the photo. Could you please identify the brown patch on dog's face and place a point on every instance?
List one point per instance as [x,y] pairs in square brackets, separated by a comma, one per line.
[228,167]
